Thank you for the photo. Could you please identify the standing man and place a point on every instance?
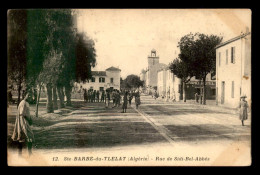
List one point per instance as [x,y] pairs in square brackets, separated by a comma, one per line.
[137,100]
[196,97]
[102,96]
[22,130]
[130,98]
[117,98]
[124,106]
[98,96]
[94,96]
[85,95]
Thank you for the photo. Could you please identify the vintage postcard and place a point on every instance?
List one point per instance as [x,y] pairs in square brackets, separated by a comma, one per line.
[129,87]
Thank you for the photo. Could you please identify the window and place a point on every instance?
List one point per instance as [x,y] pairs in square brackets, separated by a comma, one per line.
[233,54]
[93,79]
[111,80]
[101,79]
[101,89]
[232,89]
[227,56]
[219,58]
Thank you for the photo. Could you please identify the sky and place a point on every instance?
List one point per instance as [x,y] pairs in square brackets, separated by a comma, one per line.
[125,37]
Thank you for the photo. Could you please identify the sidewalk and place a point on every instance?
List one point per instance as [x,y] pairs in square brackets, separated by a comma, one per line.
[210,104]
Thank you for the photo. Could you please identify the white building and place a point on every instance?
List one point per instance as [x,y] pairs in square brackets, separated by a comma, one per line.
[233,70]
[169,86]
[161,82]
[102,80]
[173,86]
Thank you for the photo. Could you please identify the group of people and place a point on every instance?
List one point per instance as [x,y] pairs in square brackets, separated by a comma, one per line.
[96,96]
[92,96]
[106,96]
[127,99]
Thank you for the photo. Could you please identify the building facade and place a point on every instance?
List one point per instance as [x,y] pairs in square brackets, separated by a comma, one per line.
[169,86]
[102,80]
[196,86]
[173,86]
[233,70]
[161,82]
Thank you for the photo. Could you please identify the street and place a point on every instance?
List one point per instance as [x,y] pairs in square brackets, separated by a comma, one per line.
[155,127]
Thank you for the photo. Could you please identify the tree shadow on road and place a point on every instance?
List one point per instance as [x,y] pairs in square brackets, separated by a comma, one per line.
[78,130]
[208,132]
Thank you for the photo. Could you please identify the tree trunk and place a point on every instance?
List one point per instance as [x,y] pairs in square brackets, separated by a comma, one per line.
[201,92]
[184,92]
[49,99]
[54,95]
[19,92]
[204,90]
[61,96]
[68,95]
[38,100]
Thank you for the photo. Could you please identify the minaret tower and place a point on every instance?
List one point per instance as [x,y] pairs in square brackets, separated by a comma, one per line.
[153,65]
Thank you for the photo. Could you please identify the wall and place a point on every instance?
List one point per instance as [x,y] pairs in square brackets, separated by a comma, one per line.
[116,82]
[172,86]
[161,84]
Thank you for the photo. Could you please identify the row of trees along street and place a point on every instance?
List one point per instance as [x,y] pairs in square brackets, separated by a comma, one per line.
[197,58]
[45,49]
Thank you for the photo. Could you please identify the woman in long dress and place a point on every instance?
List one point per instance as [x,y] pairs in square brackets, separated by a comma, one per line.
[22,130]
[243,105]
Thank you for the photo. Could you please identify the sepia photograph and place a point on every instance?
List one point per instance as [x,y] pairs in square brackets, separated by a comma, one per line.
[129,87]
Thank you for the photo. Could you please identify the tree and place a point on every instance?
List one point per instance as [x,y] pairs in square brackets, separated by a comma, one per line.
[54,54]
[51,42]
[16,46]
[132,81]
[85,57]
[199,54]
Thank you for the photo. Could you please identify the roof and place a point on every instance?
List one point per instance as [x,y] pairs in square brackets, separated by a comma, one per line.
[113,69]
[98,73]
[232,40]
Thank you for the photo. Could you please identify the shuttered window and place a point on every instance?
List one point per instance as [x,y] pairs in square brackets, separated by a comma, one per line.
[233,54]
[227,56]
